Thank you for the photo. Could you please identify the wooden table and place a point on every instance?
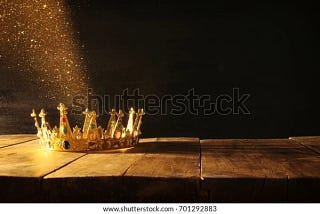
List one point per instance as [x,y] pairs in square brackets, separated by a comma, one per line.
[163,170]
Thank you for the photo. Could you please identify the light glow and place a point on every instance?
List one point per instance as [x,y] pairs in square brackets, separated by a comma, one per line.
[38,42]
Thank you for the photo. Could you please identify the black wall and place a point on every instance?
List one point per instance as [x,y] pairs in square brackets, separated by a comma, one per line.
[266,49]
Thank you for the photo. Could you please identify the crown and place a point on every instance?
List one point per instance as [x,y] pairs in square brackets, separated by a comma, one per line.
[91,136]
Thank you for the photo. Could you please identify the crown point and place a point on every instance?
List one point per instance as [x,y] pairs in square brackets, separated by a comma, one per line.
[141,111]
[113,112]
[33,113]
[62,107]
[42,113]
[85,111]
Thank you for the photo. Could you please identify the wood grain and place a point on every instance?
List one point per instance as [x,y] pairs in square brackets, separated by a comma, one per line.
[168,157]
[29,160]
[22,167]
[102,164]
[311,142]
[7,140]
[161,170]
[244,169]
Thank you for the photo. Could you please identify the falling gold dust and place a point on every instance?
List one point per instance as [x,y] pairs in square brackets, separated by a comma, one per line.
[38,38]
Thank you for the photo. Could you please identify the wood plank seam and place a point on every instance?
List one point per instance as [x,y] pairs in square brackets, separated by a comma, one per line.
[264,180]
[304,145]
[60,167]
[286,180]
[132,164]
[5,146]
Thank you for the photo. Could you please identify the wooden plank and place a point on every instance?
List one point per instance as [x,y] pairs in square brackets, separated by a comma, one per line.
[256,155]
[168,157]
[243,170]
[29,160]
[312,142]
[102,164]
[304,182]
[93,178]
[151,172]
[179,139]
[148,140]
[168,145]
[7,140]
[22,167]
[233,172]
[166,166]
[169,171]
[166,177]
[164,170]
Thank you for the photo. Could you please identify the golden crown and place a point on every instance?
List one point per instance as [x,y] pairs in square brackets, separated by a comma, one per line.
[91,137]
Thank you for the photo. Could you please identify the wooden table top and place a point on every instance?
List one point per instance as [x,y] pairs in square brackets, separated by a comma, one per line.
[163,170]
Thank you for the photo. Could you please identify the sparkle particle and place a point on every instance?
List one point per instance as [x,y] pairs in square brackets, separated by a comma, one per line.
[38,36]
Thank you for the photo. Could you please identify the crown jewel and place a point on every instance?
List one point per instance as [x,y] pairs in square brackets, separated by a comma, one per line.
[91,136]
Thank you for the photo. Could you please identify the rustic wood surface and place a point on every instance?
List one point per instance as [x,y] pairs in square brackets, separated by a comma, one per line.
[155,170]
[259,170]
[163,170]
[29,160]
[7,140]
[311,142]
[22,166]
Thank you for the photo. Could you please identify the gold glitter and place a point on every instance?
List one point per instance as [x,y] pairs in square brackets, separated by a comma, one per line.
[37,37]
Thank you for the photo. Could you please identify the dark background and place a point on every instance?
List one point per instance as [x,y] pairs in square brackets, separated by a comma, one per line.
[266,49]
